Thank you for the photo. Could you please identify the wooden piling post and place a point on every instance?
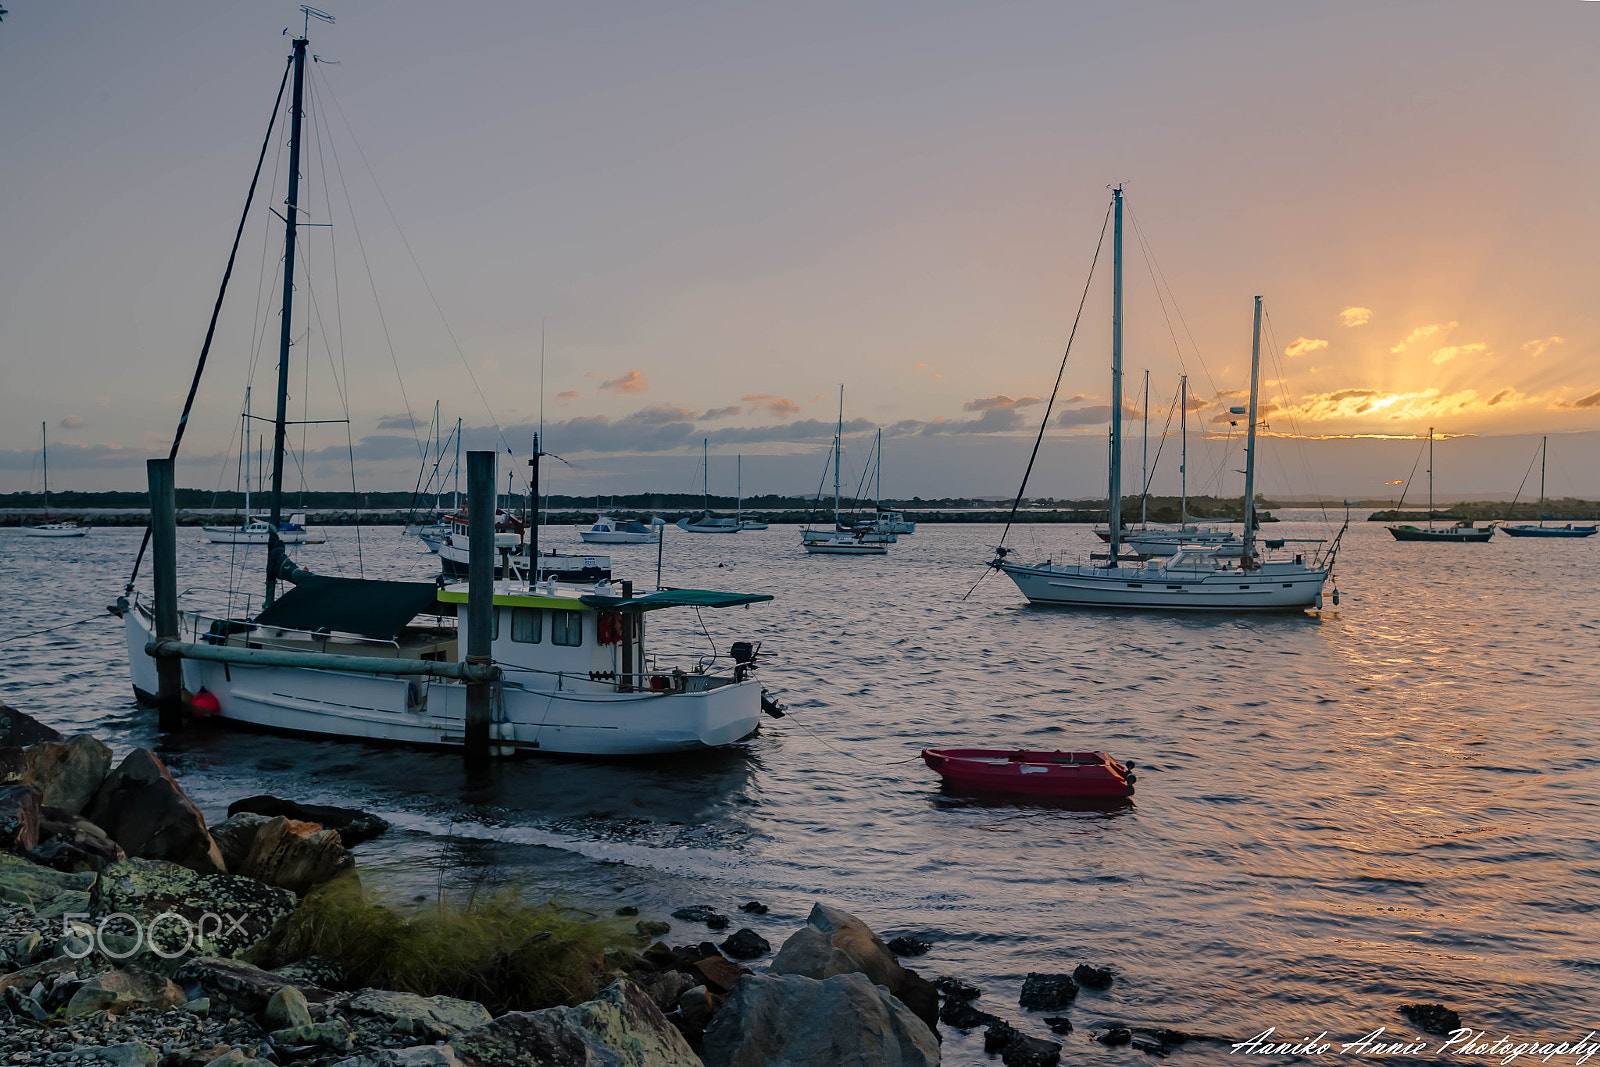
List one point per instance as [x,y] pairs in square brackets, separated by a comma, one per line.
[480,596]
[164,571]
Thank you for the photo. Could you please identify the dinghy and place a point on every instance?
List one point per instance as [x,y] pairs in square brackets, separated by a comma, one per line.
[1054,774]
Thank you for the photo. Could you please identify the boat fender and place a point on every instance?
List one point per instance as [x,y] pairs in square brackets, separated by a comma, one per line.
[205,704]
[414,701]
[1336,598]
[1319,600]
[771,706]
[1130,777]
[660,683]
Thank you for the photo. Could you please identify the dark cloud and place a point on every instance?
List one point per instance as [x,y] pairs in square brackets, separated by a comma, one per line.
[402,421]
[1590,401]
[1503,394]
[1001,402]
[722,413]
[662,415]
[1094,415]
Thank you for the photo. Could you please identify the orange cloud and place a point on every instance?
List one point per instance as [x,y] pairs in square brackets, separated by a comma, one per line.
[1540,345]
[1590,401]
[570,394]
[1444,355]
[1002,402]
[1421,332]
[779,406]
[1355,316]
[1302,345]
[631,382]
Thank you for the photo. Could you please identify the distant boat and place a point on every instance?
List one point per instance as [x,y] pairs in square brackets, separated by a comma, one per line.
[609,531]
[843,539]
[708,523]
[1461,533]
[48,528]
[256,529]
[1541,530]
[1086,775]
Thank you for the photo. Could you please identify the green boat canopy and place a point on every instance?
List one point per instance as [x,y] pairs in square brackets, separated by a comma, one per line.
[351,605]
[676,598]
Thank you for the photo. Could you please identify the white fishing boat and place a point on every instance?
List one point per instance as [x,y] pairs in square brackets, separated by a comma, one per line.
[512,545]
[1201,578]
[50,528]
[606,530]
[571,670]
[844,539]
[1540,529]
[708,523]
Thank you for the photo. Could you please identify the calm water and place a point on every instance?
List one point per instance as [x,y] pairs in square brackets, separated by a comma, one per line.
[1395,802]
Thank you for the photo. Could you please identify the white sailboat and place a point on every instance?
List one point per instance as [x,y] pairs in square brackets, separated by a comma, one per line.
[433,533]
[256,530]
[843,540]
[1148,540]
[576,675]
[1198,578]
[708,523]
[49,528]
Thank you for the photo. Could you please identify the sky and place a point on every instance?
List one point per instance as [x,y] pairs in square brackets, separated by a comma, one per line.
[662,225]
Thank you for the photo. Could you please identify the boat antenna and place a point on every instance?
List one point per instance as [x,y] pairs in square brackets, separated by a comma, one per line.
[314,13]
[1247,558]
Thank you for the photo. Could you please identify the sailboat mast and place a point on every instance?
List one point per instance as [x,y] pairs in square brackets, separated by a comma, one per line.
[705,475]
[838,435]
[1430,477]
[738,482]
[44,458]
[1183,458]
[244,453]
[291,206]
[1115,488]
[1247,559]
[455,494]
[1144,488]
[877,492]
[1544,447]
[438,454]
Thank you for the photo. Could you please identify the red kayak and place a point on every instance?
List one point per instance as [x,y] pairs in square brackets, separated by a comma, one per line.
[1054,774]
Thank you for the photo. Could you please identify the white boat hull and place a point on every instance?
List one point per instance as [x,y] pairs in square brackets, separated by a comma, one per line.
[236,535]
[1274,587]
[618,538]
[423,711]
[55,531]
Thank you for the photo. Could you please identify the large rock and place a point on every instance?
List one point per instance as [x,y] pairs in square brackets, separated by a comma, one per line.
[19,817]
[142,807]
[791,1020]
[835,942]
[295,855]
[416,1056]
[353,826]
[69,772]
[235,836]
[247,988]
[25,882]
[619,1028]
[70,842]
[442,1017]
[13,764]
[228,913]
[124,990]
[23,730]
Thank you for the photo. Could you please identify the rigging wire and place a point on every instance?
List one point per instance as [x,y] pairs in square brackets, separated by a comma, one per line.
[1288,411]
[216,312]
[1407,487]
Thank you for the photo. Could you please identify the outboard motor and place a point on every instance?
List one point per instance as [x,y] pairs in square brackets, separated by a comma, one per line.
[744,658]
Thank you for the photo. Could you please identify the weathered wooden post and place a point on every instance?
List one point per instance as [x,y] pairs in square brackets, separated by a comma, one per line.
[164,571]
[480,597]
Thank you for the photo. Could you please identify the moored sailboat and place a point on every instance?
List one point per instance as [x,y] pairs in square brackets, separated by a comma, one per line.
[708,523]
[50,527]
[1540,529]
[1463,532]
[843,539]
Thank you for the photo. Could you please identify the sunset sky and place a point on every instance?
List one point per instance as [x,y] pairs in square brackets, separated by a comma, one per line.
[717,213]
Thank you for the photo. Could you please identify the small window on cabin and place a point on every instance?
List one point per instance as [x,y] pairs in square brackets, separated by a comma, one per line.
[494,627]
[525,625]
[566,628]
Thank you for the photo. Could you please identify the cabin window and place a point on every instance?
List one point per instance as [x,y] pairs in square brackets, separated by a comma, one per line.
[566,628]
[526,625]
[494,627]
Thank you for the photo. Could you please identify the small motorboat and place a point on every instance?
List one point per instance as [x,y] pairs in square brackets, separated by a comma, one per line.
[1093,775]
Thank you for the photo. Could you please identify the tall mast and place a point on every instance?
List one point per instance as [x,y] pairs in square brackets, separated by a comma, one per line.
[1247,559]
[1144,488]
[44,453]
[877,492]
[1183,458]
[438,454]
[738,481]
[244,452]
[705,475]
[455,494]
[1544,447]
[286,325]
[1430,477]
[1115,488]
[838,434]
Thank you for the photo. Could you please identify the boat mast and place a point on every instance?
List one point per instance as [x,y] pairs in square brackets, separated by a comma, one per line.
[244,453]
[455,494]
[1144,489]
[877,491]
[705,476]
[1544,447]
[1247,560]
[438,454]
[44,454]
[291,216]
[1115,502]
[738,482]
[1430,477]
[838,434]
[1183,458]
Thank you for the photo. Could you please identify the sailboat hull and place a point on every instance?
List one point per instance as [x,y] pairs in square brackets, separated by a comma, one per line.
[1549,531]
[422,711]
[1274,587]
[55,531]
[1455,535]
